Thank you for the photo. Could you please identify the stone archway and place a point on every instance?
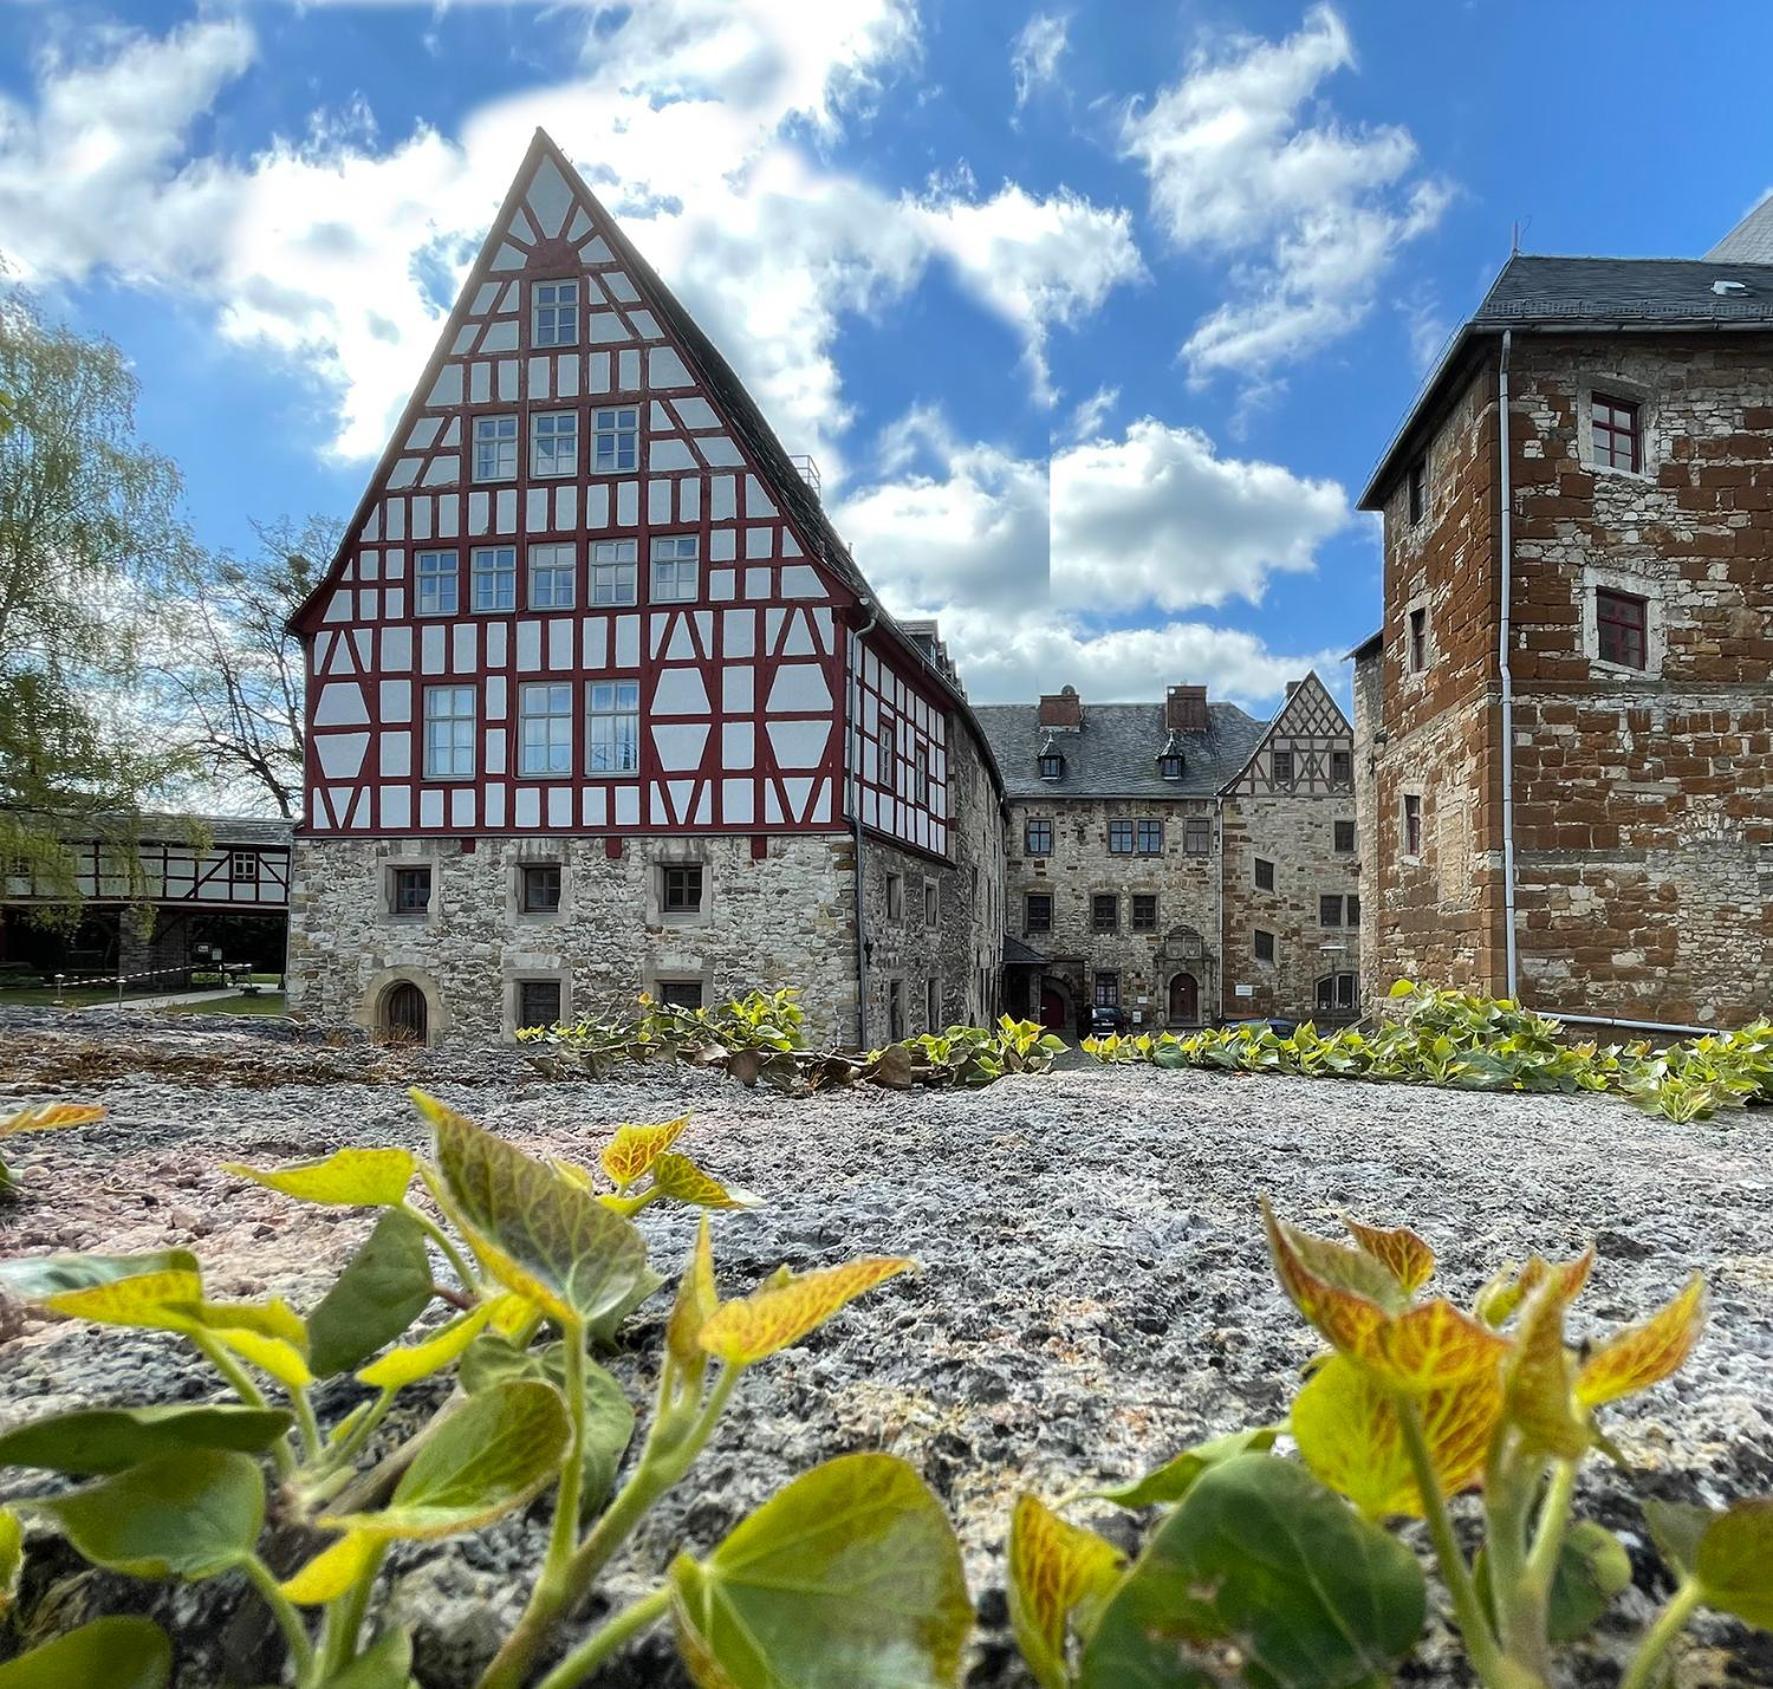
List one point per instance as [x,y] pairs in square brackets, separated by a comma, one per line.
[1184,1000]
[1056,1011]
[404,1004]
[404,1016]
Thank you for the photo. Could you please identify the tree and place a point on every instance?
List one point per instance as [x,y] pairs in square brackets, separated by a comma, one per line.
[89,533]
[230,672]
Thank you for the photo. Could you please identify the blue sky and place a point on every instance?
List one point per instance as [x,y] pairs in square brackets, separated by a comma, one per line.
[1096,317]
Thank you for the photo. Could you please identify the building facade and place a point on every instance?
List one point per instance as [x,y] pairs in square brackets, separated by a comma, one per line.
[598,701]
[1565,723]
[1182,861]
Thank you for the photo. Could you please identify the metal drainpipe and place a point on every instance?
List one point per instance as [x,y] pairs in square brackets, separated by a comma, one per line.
[1219,889]
[855,712]
[1504,643]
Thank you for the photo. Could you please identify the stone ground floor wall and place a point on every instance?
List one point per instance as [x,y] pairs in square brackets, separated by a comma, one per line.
[784,917]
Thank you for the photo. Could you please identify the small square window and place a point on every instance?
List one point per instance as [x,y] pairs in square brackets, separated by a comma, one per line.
[439,576]
[494,575]
[554,443]
[541,888]
[1418,639]
[674,558]
[895,897]
[552,569]
[1037,838]
[1197,836]
[1264,874]
[680,993]
[1418,489]
[680,888]
[615,440]
[1264,945]
[1329,911]
[554,313]
[1621,622]
[1107,991]
[538,1002]
[1151,838]
[243,867]
[1144,911]
[1120,838]
[1039,911]
[932,903]
[1344,837]
[1283,767]
[412,891]
[495,448]
[1342,769]
[1412,824]
[1105,912]
[613,569]
[1614,426]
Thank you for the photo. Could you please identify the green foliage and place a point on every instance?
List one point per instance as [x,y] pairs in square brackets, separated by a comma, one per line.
[1281,1575]
[853,1563]
[1471,1043]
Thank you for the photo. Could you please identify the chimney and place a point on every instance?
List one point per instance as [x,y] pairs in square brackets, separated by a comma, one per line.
[1185,709]
[1062,708]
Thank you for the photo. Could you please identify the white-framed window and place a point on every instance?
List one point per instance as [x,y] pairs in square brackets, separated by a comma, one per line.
[495,577]
[439,575]
[612,726]
[615,439]
[554,313]
[449,732]
[674,568]
[495,448]
[613,565]
[554,443]
[551,572]
[545,728]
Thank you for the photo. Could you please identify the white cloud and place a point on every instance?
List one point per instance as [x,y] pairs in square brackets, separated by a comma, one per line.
[1089,414]
[1034,60]
[1245,165]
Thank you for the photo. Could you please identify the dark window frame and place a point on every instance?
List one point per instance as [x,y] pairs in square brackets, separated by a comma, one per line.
[1417,644]
[523,1015]
[1120,838]
[1412,824]
[1037,837]
[681,993]
[1616,431]
[1282,768]
[1622,628]
[1151,837]
[1263,881]
[1338,834]
[406,877]
[1342,768]
[1329,909]
[1261,941]
[1105,990]
[675,881]
[534,880]
[1104,911]
[1197,827]
[1037,899]
[1144,912]
[1418,490]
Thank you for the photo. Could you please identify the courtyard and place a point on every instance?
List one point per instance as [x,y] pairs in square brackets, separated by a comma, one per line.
[1094,1292]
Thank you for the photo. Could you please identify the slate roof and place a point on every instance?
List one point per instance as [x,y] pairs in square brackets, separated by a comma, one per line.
[1585,295]
[1115,754]
[1016,954]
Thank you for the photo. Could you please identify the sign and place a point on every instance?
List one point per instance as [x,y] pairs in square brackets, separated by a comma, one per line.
[1244,990]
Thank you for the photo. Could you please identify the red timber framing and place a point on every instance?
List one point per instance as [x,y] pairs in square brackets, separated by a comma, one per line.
[741,687]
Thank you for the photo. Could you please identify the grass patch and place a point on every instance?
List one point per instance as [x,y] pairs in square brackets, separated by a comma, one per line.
[44,996]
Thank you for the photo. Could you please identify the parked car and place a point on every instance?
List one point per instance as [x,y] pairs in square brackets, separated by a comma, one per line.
[1280,1028]
[1106,1020]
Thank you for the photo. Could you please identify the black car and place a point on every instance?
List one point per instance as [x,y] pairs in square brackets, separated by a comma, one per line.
[1280,1028]
[1104,1020]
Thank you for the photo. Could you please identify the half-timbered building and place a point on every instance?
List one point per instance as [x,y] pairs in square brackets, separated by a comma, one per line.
[599,701]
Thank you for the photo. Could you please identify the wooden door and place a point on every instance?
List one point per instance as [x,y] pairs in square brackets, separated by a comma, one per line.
[1184,1000]
[405,1015]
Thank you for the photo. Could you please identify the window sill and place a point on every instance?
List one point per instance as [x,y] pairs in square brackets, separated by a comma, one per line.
[1643,477]
[1600,669]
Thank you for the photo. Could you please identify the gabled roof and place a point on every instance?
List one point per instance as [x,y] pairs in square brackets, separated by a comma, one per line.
[1114,755]
[1751,241]
[1584,296]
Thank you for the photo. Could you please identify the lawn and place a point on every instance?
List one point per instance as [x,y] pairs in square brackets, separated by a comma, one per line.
[45,996]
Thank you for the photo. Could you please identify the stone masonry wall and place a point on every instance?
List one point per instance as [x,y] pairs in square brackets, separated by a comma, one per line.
[1367,711]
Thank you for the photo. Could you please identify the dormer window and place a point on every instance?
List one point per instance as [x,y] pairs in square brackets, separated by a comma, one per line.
[1050,763]
[1170,760]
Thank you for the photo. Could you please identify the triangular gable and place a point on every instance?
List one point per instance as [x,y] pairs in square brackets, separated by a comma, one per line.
[1309,713]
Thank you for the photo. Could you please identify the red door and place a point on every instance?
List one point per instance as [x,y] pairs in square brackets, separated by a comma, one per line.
[1184,1000]
[1053,1014]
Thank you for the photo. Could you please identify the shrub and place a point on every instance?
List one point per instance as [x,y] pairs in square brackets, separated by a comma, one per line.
[851,1573]
[1272,1572]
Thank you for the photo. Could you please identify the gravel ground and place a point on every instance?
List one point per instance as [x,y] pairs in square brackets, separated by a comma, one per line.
[1094,1295]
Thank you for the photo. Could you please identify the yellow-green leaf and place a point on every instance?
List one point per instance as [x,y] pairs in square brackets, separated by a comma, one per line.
[1408,1256]
[696,1300]
[408,1364]
[108,1653]
[1538,1379]
[164,1301]
[678,1177]
[12,1558]
[50,1117]
[769,1319]
[348,1178]
[1344,1292]
[1430,1347]
[1179,1474]
[1055,1567]
[630,1154]
[1734,1564]
[333,1570]
[1644,1354]
[281,1360]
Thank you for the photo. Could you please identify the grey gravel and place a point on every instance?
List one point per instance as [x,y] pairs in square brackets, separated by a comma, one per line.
[1094,1292]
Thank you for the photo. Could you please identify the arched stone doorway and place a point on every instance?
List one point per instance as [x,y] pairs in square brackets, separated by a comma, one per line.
[404,1015]
[1184,1000]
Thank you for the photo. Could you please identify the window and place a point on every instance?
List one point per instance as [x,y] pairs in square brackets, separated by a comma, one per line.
[1037,838]
[1197,835]
[440,583]
[449,732]
[1412,824]
[541,888]
[1345,837]
[554,443]
[612,726]
[1264,946]
[495,448]
[494,574]
[1620,621]
[1418,639]
[674,569]
[538,1002]
[1144,911]
[615,439]
[680,888]
[1151,838]
[545,728]
[895,890]
[1120,838]
[1107,991]
[895,1009]
[1038,912]
[554,313]
[1282,767]
[613,564]
[1264,874]
[1418,489]
[1617,434]
[1342,768]
[1170,765]
[1329,911]
[1105,912]
[1051,765]
[932,1004]
[889,756]
[1352,905]
[1335,991]
[920,774]
[932,903]
[243,867]
[551,571]
[680,993]
[412,891]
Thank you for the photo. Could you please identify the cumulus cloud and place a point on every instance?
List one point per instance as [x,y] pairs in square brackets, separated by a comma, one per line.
[1244,164]
[1034,59]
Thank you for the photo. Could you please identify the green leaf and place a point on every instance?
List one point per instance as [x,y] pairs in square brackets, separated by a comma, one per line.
[348,1178]
[37,1277]
[188,1515]
[114,1653]
[1676,1528]
[1735,1562]
[603,1329]
[1177,1476]
[385,1664]
[383,1289]
[1262,1556]
[105,1440]
[1592,1568]
[1059,1575]
[850,1578]
[540,1235]
[12,1558]
[488,1457]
